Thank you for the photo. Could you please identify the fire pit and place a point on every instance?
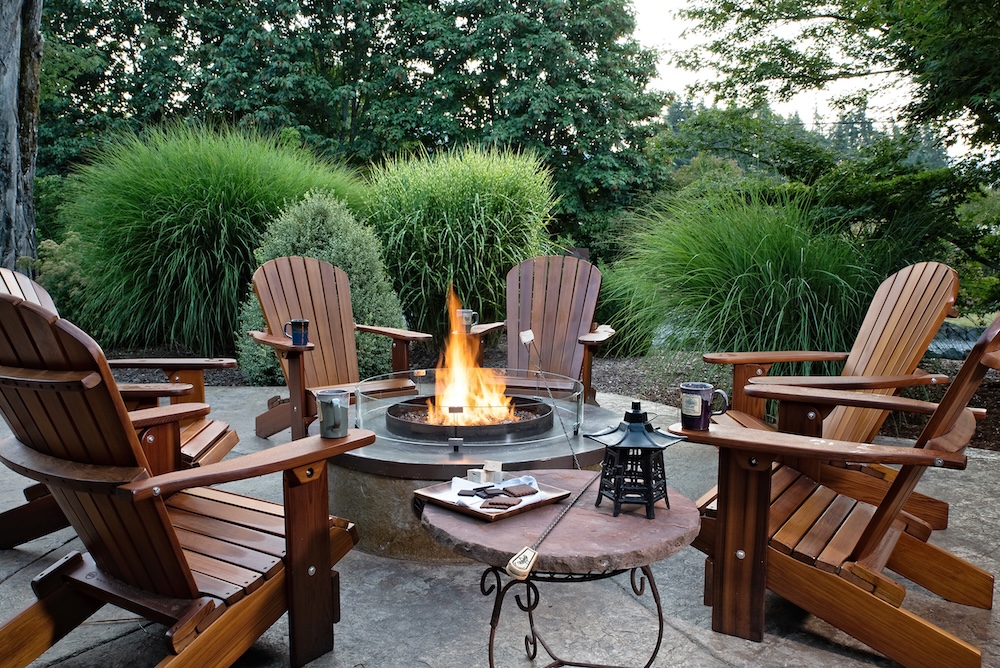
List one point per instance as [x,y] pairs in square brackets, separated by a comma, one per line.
[436,424]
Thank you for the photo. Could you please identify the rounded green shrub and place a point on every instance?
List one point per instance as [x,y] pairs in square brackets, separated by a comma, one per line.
[735,272]
[170,220]
[462,218]
[322,227]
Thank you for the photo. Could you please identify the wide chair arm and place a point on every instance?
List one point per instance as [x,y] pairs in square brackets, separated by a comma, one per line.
[915,379]
[749,365]
[485,328]
[401,339]
[773,357]
[780,444]
[290,456]
[148,395]
[800,407]
[171,364]
[179,371]
[832,397]
[395,333]
[598,335]
[282,343]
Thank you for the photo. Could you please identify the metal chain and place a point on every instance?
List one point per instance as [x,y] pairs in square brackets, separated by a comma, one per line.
[565,510]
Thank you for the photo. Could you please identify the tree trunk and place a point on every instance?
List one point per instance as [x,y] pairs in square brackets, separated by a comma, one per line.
[20,64]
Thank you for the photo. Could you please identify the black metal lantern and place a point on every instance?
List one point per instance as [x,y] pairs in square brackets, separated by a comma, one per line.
[633,471]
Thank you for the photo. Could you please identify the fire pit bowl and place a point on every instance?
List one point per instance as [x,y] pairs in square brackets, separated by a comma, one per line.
[410,418]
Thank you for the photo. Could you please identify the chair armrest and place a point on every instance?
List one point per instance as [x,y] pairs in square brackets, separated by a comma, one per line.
[280,458]
[833,397]
[151,417]
[74,475]
[174,363]
[855,382]
[828,397]
[792,445]
[773,357]
[395,333]
[280,343]
[487,327]
[136,391]
[600,334]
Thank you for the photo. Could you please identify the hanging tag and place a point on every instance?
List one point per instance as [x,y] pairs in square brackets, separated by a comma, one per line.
[520,565]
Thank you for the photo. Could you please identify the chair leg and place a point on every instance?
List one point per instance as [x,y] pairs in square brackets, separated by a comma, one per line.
[34,519]
[308,563]
[887,629]
[24,637]
[277,417]
[950,577]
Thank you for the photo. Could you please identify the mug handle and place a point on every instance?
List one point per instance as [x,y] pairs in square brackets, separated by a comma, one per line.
[475,317]
[285,329]
[725,402]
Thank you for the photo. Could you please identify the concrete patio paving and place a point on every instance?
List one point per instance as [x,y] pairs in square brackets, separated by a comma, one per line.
[408,613]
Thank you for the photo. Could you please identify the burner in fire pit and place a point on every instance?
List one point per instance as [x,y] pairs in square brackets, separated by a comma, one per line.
[409,418]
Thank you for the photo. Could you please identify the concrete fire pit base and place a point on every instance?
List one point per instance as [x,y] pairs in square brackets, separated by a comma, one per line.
[383,510]
[373,486]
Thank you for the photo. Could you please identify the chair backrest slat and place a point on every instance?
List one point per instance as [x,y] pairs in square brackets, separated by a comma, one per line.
[85,423]
[905,314]
[18,285]
[300,287]
[555,297]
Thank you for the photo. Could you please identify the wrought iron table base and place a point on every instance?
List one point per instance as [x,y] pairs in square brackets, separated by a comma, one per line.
[533,639]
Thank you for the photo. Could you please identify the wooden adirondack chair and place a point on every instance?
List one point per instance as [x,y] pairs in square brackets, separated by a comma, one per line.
[189,439]
[216,567]
[555,297]
[302,287]
[906,312]
[826,552]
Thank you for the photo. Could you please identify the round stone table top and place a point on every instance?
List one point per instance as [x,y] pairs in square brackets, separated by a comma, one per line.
[587,539]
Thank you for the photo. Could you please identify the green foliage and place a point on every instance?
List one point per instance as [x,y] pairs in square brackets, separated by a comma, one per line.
[881,196]
[979,265]
[765,48]
[568,83]
[462,218]
[738,272]
[169,221]
[59,273]
[757,139]
[48,191]
[365,79]
[322,227]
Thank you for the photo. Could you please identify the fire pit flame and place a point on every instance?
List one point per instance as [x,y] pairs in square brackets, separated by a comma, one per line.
[465,393]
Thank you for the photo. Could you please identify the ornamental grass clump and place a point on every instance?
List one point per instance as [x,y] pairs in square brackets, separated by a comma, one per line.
[738,272]
[170,220]
[322,227]
[462,218]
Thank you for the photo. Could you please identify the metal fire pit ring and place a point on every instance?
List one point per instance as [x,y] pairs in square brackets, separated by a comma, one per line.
[409,418]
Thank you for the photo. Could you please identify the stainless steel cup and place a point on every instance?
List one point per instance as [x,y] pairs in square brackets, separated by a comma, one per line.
[333,406]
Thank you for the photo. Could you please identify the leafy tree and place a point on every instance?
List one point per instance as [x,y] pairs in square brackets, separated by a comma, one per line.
[564,79]
[758,139]
[946,48]
[367,79]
